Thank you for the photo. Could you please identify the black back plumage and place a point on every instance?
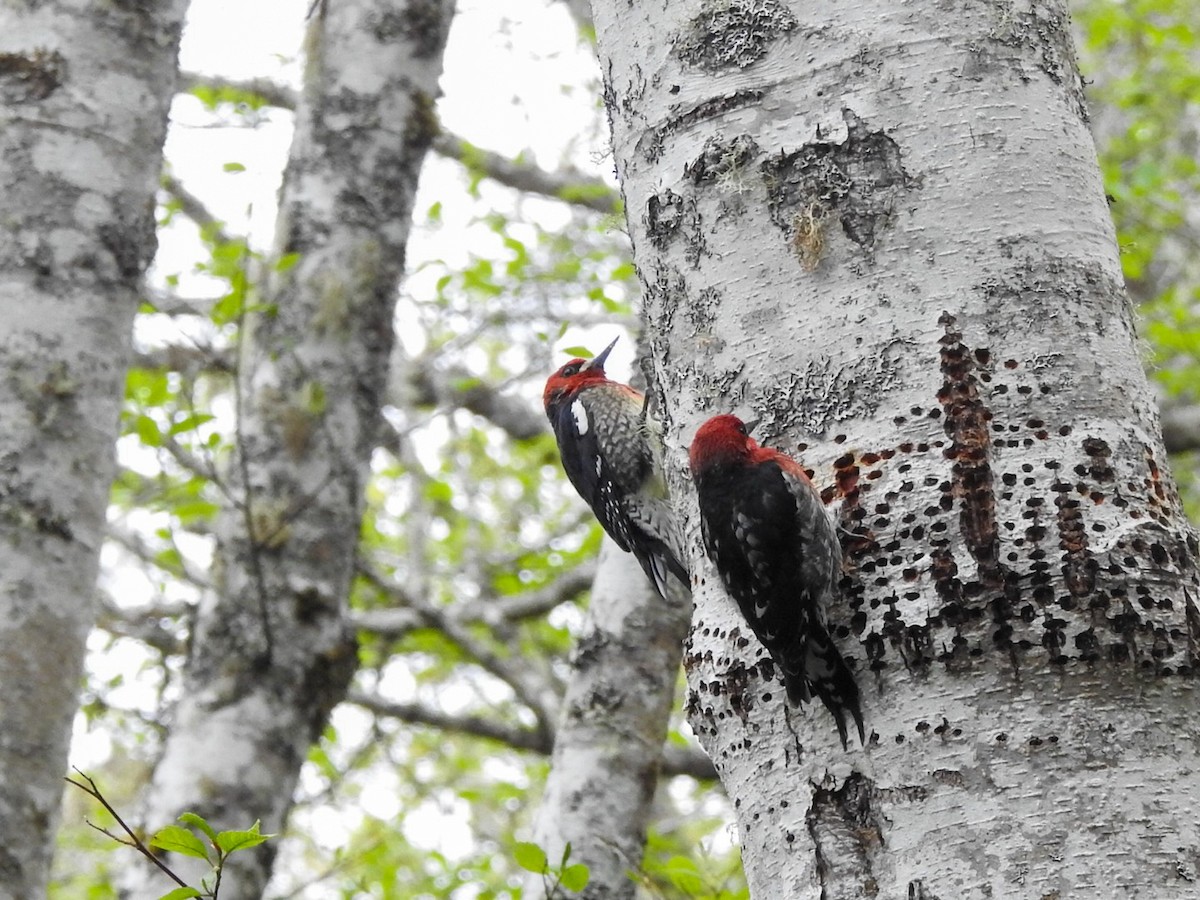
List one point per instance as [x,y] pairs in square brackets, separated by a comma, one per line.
[779,558]
[605,452]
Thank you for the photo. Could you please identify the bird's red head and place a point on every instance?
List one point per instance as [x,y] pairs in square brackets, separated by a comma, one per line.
[722,439]
[574,376]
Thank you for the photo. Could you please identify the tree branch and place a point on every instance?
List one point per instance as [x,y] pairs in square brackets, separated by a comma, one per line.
[195,209]
[534,692]
[135,544]
[492,609]
[142,624]
[271,92]
[675,760]
[569,186]
[456,388]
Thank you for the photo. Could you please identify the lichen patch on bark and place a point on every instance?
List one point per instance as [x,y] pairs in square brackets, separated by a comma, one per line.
[732,33]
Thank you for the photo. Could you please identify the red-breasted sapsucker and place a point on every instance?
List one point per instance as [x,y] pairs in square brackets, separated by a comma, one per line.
[612,452]
[778,555]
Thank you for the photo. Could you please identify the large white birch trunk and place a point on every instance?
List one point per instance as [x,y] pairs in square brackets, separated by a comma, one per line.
[272,653]
[879,228]
[84,94]
[609,740]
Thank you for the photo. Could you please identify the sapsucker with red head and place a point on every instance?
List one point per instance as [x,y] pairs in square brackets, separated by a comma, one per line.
[612,452]
[778,555]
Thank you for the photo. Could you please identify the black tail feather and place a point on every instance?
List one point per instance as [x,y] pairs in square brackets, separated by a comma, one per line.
[819,668]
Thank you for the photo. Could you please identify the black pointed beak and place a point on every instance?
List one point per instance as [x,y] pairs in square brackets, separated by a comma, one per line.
[751,425]
[598,361]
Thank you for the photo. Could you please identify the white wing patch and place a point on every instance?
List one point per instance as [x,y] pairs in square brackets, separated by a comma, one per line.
[582,423]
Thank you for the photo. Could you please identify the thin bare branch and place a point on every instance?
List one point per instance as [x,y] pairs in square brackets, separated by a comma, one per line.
[514,736]
[568,185]
[532,690]
[271,92]
[134,841]
[136,544]
[195,209]
[142,623]
[453,388]
[676,760]
[492,610]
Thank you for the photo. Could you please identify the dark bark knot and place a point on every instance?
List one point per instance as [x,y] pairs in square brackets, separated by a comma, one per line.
[31,77]
[847,834]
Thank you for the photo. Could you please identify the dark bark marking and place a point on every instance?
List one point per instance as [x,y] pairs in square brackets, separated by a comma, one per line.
[423,23]
[31,77]
[728,33]
[1079,568]
[859,180]
[721,160]
[664,215]
[846,832]
[967,425]
[651,144]
[1043,37]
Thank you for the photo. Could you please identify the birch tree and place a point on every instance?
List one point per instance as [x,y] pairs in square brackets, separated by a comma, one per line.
[609,743]
[881,231]
[85,92]
[272,650]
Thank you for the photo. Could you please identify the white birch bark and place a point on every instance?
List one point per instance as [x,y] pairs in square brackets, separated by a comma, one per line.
[84,94]
[273,651]
[609,740]
[880,229]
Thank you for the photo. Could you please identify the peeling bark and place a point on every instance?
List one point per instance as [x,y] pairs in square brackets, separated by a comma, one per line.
[273,651]
[880,230]
[608,747]
[84,93]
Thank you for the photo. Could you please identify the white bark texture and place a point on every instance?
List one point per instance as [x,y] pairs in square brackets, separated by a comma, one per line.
[84,94]
[273,652]
[880,229]
[609,741]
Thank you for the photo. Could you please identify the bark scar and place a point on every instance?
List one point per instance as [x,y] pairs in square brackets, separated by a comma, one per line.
[847,832]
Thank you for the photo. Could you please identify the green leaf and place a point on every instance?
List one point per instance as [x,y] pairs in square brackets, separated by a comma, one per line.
[233,167]
[190,818]
[179,840]
[530,857]
[182,893]
[229,841]
[147,430]
[190,422]
[286,262]
[583,352]
[575,878]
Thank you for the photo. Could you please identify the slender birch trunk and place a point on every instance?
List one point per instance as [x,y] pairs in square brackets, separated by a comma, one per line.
[880,229]
[273,652]
[609,740]
[84,94]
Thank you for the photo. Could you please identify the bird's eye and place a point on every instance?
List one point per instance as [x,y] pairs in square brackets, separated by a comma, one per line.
[571,369]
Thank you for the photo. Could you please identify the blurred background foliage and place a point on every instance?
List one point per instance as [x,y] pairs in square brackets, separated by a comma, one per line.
[476,556]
